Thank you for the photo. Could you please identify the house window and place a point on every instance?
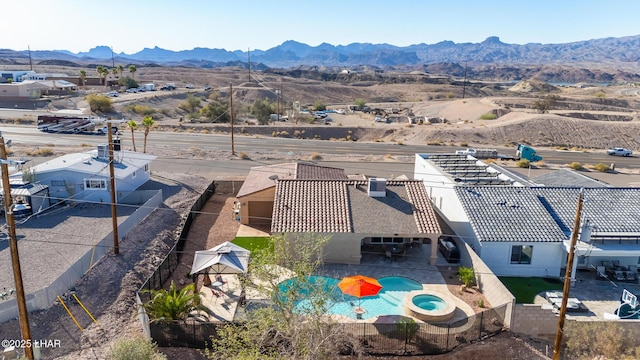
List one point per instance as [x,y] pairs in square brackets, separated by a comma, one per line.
[133,175]
[146,167]
[521,254]
[95,184]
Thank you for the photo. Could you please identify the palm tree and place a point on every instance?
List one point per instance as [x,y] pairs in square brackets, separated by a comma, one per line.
[114,71]
[103,72]
[83,78]
[132,125]
[132,70]
[120,69]
[174,304]
[148,123]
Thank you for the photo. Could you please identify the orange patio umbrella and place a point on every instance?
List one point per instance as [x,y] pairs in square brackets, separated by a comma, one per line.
[359,286]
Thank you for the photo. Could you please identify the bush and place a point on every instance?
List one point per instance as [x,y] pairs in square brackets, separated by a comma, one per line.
[601,167]
[243,155]
[523,163]
[143,110]
[99,103]
[467,276]
[41,152]
[576,166]
[488,116]
[316,156]
[134,348]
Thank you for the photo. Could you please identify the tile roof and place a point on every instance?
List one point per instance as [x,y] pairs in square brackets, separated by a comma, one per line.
[547,214]
[263,177]
[345,206]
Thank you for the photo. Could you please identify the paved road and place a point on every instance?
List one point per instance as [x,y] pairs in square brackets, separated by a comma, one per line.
[291,149]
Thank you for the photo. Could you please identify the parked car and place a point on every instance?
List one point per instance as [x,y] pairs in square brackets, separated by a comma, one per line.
[132,90]
[189,86]
[619,152]
[207,88]
[112,93]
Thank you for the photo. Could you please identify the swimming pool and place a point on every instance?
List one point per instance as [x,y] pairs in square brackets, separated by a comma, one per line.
[389,300]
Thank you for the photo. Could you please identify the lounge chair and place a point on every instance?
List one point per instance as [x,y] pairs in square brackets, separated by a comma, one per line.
[630,276]
[619,275]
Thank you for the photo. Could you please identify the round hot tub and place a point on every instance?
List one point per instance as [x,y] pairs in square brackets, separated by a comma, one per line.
[429,305]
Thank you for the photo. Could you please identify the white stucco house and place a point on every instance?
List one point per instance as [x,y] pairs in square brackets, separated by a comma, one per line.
[86,176]
[522,227]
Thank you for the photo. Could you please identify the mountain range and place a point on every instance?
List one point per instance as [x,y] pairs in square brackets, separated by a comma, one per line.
[623,50]
[616,57]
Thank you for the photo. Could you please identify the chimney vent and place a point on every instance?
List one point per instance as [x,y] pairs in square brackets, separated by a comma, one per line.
[377,187]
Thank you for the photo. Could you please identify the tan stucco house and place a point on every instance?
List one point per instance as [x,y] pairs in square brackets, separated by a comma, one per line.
[355,214]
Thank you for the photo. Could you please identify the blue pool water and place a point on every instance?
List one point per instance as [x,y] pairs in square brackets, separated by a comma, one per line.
[387,302]
[429,302]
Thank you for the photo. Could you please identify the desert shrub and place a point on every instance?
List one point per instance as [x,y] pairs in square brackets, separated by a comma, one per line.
[409,125]
[297,133]
[601,167]
[315,156]
[540,164]
[319,106]
[40,152]
[191,104]
[488,116]
[600,94]
[464,144]
[576,166]
[388,156]
[99,103]
[599,340]
[243,155]
[523,163]
[134,348]
[143,110]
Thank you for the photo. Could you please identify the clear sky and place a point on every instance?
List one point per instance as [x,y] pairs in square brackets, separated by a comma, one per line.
[131,25]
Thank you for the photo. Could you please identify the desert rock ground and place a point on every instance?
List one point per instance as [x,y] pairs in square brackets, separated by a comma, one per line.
[110,287]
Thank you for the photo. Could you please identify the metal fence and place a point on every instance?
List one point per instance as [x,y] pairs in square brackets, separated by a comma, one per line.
[164,271]
[373,338]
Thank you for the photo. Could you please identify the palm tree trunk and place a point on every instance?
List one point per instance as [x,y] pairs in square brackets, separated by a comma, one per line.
[133,141]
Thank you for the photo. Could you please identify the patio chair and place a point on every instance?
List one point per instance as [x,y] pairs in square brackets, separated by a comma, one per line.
[602,272]
[619,275]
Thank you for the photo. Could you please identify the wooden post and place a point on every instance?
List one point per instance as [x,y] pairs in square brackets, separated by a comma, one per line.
[23,314]
[567,280]
[112,184]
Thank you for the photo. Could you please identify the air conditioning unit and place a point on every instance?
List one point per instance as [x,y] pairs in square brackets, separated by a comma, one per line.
[103,151]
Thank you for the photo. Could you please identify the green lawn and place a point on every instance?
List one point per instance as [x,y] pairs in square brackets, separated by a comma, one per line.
[254,243]
[526,288]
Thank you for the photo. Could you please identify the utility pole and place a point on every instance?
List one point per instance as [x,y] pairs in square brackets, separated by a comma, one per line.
[30,61]
[464,82]
[23,314]
[567,280]
[278,103]
[112,183]
[233,149]
[113,60]
[249,61]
